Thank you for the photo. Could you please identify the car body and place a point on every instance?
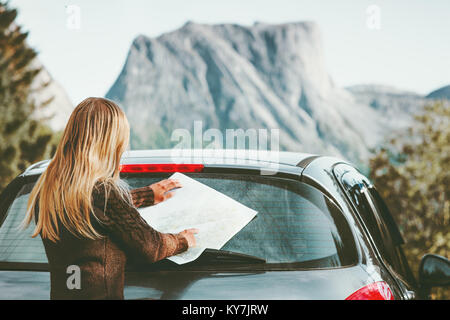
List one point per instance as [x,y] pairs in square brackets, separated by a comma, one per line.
[349,221]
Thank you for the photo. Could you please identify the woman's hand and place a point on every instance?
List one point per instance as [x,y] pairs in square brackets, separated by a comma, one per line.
[161,188]
[189,235]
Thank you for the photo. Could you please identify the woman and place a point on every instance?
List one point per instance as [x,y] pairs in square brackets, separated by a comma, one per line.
[86,215]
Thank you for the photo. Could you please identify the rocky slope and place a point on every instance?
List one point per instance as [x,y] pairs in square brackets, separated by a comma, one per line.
[394,107]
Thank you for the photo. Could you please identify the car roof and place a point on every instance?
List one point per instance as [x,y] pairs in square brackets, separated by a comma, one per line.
[211,157]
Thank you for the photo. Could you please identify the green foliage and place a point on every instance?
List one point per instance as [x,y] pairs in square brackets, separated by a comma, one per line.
[23,140]
[412,174]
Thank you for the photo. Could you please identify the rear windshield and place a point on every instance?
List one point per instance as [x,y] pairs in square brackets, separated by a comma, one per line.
[295,224]
[16,245]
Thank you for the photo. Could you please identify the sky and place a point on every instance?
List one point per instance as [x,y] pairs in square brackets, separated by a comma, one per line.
[401,43]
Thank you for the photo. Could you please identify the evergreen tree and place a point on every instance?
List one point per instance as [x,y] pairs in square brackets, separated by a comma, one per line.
[412,174]
[23,140]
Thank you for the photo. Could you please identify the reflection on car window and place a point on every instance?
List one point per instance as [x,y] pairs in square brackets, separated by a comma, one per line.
[16,245]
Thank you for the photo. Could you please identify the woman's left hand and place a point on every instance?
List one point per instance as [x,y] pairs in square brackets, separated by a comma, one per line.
[161,189]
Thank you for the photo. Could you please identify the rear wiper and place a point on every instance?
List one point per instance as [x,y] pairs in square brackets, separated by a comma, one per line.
[223,256]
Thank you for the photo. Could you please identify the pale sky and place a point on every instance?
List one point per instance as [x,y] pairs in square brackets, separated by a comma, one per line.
[410,50]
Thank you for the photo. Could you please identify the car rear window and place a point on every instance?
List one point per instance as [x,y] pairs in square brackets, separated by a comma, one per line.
[295,223]
[16,244]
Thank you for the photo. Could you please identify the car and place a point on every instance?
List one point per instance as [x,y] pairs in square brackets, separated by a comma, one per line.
[322,232]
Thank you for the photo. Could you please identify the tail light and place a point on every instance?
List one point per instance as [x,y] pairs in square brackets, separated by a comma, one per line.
[374,291]
[165,167]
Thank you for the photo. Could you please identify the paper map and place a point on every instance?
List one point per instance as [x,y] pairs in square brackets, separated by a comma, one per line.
[195,205]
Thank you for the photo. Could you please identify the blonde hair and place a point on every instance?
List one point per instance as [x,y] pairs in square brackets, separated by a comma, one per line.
[89,152]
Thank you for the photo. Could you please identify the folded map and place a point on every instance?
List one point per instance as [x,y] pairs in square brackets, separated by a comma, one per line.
[195,205]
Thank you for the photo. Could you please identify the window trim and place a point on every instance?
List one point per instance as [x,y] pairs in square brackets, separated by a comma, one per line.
[24,266]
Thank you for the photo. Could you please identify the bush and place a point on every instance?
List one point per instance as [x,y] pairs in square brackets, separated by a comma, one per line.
[412,173]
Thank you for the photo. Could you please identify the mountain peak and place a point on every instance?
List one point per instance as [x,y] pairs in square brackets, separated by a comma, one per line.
[441,93]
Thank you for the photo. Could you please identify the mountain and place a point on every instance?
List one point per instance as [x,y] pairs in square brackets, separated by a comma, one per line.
[441,93]
[261,76]
[394,107]
[57,112]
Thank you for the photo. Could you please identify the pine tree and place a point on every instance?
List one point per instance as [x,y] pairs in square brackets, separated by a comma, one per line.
[23,140]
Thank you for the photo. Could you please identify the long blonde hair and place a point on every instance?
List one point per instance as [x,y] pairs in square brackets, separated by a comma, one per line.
[89,152]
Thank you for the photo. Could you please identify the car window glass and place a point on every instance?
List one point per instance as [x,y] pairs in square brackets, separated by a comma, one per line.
[17,245]
[355,191]
[386,215]
[392,238]
[295,222]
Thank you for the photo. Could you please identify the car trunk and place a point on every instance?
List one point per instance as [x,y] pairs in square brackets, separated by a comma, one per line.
[264,285]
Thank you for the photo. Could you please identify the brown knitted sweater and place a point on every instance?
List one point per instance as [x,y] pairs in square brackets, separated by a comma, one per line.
[102,262]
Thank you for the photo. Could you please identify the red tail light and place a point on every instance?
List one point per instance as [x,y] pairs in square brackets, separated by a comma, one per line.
[165,167]
[374,291]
